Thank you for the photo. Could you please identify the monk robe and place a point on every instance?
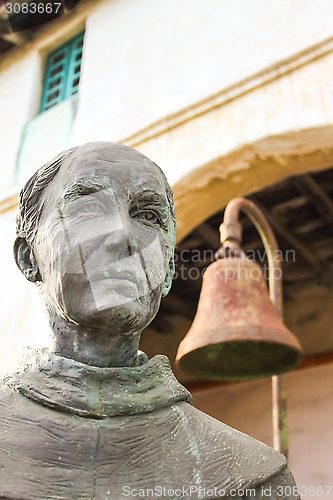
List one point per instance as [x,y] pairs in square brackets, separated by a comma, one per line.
[77,432]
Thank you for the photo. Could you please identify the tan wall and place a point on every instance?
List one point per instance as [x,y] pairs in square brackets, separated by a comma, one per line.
[247,407]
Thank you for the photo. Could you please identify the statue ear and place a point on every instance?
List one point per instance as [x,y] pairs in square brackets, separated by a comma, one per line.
[25,260]
[168,277]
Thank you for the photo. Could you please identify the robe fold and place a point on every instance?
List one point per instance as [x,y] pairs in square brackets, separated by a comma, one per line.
[76,432]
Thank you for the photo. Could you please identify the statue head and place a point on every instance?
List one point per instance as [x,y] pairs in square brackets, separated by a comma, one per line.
[96,232]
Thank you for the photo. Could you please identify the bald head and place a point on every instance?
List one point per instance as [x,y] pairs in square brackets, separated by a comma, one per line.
[31,203]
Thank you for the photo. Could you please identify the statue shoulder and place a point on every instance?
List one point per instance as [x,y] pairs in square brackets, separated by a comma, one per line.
[281,486]
[235,455]
[12,404]
[7,393]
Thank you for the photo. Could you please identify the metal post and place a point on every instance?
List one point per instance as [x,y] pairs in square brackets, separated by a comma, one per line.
[230,223]
[280,429]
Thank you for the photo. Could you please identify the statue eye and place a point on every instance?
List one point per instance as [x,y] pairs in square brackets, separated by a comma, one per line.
[91,207]
[149,216]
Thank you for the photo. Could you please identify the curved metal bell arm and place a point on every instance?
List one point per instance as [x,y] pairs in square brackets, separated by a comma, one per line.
[231,236]
[231,231]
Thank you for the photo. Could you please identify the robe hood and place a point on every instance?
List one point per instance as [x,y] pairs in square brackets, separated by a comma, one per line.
[90,391]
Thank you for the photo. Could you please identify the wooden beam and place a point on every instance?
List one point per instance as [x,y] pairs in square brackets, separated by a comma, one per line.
[314,360]
[297,275]
[316,194]
[307,255]
[6,33]
[324,248]
[297,202]
[3,13]
[18,39]
[310,225]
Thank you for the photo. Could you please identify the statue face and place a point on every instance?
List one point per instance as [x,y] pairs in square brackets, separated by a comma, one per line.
[105,239]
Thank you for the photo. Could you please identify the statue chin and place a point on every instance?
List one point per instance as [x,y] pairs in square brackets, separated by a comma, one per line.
[97,304]
[113,311]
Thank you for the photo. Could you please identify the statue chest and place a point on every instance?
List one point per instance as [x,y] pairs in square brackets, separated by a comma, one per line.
[49,454]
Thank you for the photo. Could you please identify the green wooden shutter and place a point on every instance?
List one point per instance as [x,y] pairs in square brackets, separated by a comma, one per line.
[62,74]
[74,66]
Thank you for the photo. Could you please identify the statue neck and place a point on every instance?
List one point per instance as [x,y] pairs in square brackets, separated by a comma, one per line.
[93,346]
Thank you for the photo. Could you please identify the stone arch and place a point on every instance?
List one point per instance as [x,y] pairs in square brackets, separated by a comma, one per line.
[207,189]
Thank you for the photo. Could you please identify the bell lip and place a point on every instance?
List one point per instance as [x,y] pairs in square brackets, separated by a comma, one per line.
[203,373]
[233,334]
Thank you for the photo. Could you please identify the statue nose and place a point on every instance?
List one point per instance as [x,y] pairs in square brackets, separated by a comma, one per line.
[121,242]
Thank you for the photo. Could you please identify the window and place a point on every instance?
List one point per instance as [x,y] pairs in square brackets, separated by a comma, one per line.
[62,73]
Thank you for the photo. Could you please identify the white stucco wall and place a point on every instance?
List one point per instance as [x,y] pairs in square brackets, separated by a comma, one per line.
[22,320]
[21,77]
[18,77]
[144,61]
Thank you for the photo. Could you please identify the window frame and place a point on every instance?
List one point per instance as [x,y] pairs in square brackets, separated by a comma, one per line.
[69,74]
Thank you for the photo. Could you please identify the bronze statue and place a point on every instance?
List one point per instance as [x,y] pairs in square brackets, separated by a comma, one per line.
[92,417]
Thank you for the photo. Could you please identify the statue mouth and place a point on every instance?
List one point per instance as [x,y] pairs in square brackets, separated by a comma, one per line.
[118,279]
